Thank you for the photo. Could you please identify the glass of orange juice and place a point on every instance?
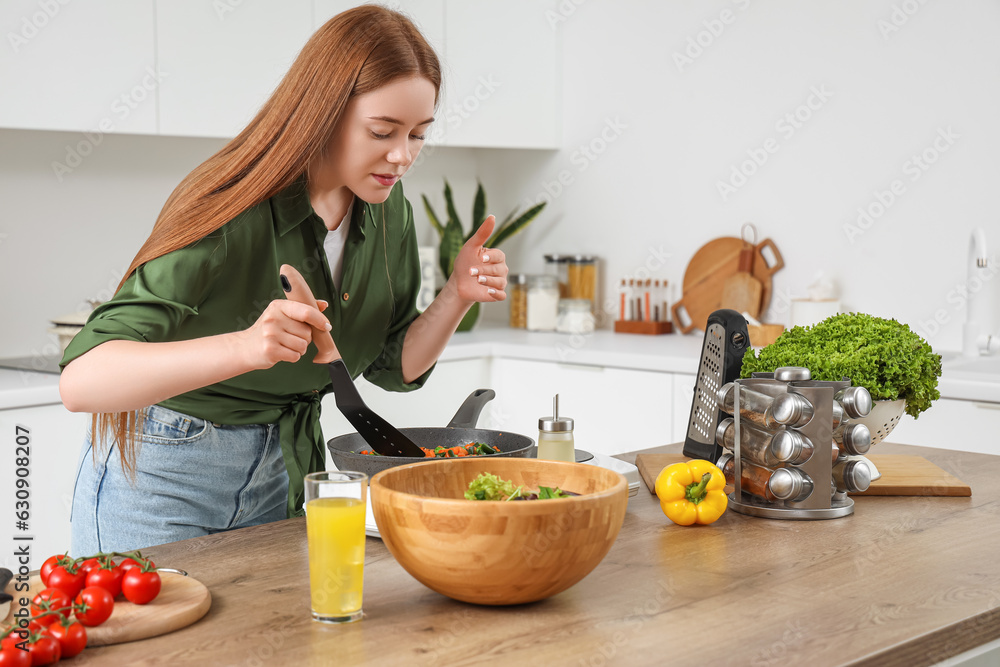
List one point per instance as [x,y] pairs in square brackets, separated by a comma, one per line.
[335,524]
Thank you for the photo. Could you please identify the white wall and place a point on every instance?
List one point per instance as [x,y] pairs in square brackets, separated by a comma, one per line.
[684,128]
[674,134]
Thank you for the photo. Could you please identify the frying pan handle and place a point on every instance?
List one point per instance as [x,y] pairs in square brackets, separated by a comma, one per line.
[297,289]
[468,413]
[779,261]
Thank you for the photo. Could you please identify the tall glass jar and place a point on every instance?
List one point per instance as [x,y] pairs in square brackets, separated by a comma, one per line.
[558,266]
[581,279]
[543,303]
[517,291]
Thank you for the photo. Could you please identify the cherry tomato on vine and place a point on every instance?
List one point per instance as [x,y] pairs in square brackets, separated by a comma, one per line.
[50,563]
[71,583]
[97,605]
[140,587]
[72,638]
[49,598]
[11,640]
[129,563]
[110,579]
[14,657]
[88,565]
[45,651]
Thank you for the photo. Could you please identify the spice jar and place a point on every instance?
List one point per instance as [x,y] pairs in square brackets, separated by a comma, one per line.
[555,436]
[575,317]
[543,303]
[782,484]
[517,291]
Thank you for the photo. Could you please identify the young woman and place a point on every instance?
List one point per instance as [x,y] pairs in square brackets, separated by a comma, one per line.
[199,371]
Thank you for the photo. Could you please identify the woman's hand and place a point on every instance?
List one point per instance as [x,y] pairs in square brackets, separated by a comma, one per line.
[282,333]
[480,274]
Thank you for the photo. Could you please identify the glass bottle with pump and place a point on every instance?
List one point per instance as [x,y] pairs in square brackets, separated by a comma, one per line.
[555,436]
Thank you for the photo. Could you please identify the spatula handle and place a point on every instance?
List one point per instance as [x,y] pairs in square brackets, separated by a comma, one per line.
[297,289]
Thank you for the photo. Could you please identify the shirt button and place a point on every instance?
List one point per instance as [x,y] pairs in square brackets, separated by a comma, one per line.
[346,296]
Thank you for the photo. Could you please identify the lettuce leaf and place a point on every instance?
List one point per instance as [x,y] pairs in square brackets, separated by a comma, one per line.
[883,356]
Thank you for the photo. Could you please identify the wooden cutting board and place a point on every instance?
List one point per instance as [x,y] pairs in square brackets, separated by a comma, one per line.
[181,602]
[901,475]
[706,275]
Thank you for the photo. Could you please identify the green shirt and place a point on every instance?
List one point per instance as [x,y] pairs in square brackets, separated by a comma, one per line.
[224,281]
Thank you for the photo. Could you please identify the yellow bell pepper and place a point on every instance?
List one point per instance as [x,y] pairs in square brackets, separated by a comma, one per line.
[692,492]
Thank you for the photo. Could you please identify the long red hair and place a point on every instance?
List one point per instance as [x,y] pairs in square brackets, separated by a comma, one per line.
[353,53]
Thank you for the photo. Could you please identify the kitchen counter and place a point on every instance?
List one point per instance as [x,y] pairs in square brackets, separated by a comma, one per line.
[904,581]
[963,379]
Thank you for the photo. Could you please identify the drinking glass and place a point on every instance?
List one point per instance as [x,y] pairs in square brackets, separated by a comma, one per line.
[335,525]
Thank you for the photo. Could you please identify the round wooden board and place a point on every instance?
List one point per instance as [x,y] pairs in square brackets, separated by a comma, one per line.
[181,602]
[708,270]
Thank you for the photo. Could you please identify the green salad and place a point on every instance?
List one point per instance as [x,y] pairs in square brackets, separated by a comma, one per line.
[492,487]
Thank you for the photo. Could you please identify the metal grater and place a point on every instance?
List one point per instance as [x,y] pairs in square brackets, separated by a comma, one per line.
[726,339]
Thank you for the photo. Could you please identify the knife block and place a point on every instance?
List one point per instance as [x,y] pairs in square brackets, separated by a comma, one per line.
[822,502]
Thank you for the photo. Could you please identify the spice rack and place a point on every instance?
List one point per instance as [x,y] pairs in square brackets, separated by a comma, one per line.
[820,497]
[642,327]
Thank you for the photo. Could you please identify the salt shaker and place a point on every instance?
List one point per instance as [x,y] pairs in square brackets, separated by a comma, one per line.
[555,436]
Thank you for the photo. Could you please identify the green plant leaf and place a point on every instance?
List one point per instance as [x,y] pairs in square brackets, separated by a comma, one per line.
[450,203]
[451,243]
[432,216]
[514,226]
[478,211]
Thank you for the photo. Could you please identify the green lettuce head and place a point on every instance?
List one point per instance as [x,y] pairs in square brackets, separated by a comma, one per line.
[883,356]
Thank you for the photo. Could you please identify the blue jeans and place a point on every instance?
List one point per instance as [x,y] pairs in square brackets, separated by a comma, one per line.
[193,478]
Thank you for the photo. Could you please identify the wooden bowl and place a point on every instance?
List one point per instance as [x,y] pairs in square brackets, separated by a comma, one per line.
[498,553]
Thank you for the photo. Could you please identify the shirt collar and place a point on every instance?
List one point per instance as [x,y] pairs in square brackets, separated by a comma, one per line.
[291,207]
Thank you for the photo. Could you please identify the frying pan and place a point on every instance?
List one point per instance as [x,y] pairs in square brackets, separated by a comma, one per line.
[461,430]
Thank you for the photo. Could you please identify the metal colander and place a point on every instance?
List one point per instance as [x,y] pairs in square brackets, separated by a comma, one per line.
[883,418]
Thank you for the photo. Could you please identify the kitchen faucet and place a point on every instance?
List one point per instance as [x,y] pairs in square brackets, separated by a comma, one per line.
[980,334]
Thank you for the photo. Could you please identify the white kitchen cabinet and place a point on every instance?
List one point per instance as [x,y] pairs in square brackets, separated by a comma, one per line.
[502,63]
[81,66]
[683,395]
[222,60]
[434,404]
[56,437]
[968,426]
[615,410]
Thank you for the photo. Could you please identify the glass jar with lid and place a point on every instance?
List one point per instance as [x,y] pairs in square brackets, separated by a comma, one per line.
[543,303]
[581,279]
[517,291]
[558,266]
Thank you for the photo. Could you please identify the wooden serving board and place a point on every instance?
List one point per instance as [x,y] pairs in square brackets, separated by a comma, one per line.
[901,475]
[181,602]
[706,275]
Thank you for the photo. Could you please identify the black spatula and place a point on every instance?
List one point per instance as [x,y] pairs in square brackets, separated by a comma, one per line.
[383,437]
[377,432]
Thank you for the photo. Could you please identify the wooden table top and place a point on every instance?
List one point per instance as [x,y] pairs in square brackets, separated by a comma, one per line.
[904,581]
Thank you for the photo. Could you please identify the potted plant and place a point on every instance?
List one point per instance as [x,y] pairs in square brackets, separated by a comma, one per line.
[453,235]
